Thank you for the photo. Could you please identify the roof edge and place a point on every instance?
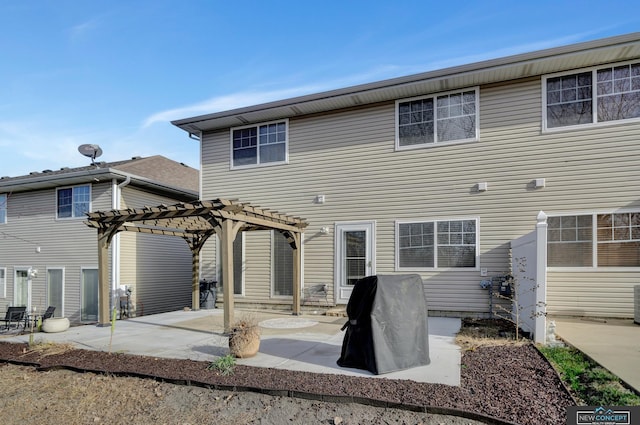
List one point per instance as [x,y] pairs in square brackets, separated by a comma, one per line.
[434,74]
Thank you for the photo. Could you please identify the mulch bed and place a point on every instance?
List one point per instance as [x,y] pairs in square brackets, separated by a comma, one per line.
[513,384]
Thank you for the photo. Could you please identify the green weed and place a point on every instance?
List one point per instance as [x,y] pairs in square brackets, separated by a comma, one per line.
[223,365]
[590,383]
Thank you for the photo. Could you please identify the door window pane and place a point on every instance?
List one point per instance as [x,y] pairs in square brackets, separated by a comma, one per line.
[55,290]
[3,283]
[89,306]
[355,243]
[21,297]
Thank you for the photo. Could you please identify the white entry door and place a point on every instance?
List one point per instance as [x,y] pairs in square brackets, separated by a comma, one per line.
[354,256]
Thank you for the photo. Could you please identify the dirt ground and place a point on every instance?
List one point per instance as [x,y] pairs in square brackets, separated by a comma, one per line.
[65,397]
[502,379]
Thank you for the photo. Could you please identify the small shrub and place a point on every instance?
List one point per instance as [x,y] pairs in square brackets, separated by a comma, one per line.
[223,365]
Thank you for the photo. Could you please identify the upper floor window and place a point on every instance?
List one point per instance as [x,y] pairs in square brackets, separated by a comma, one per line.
[432,120]
[259,144]
[73,201]
[3,208]
[436,244]
[594,96]
[594,240]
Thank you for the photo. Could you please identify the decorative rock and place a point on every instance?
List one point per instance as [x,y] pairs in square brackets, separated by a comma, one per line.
[55,324]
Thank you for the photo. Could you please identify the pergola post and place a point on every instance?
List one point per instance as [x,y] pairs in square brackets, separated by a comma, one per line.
[227,236]
[195,283]
[104,317]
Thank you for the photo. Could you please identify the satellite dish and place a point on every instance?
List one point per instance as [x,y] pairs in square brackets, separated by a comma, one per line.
[90,151]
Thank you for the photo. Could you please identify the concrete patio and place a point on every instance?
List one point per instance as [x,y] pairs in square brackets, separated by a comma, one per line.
[614,343]
[308,343]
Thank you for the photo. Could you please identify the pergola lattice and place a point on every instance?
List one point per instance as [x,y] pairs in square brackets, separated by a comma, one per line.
[196,222]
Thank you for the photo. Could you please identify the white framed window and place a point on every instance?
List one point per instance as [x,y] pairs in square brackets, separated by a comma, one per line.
[594,240]
[73,202]
[436,244]
[439,119]
[55,290]
[262,144]
[3,282]
[570,241]
[3,208]
[591,96]
[281,265]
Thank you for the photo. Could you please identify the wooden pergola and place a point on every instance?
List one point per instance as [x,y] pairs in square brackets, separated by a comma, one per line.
[195,222]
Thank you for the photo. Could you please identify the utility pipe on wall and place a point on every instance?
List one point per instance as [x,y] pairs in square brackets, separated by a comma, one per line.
[116,190]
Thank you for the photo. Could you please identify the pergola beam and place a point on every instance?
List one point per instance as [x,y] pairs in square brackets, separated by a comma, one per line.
[196,222]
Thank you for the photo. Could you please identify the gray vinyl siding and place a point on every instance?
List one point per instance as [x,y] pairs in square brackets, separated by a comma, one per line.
[157,267]
[349,157]
[64,243]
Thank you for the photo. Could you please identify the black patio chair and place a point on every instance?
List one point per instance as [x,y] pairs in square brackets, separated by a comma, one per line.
[15,316]
[49,313]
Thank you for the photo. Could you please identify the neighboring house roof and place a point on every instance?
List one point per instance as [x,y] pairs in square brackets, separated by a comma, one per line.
[525,65]
[155,173]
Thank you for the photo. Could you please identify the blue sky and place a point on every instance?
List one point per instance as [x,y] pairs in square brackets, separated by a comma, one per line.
[116,72]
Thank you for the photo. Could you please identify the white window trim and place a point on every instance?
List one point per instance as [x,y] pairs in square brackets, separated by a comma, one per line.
[594,256]
[273,273]
[476,89]
[594,107]
[435,259]
[3,293]
[267,164]
[4,199]
[63,285]
[73,187]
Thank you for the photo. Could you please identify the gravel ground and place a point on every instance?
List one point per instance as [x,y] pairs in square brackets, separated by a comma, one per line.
[511,383]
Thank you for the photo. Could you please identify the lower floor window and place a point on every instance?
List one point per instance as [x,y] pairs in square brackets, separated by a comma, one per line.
[594,240]
[436,244]
[282,265]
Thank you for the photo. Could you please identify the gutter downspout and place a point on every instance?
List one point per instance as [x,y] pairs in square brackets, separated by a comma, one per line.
[116,190]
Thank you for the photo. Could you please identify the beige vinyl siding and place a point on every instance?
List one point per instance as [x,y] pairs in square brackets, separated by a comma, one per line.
[257,268]
[157,267]
[349,157]
[592,293]
[65,243]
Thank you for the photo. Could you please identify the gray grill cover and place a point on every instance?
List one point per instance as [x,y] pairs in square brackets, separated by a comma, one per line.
[387,328]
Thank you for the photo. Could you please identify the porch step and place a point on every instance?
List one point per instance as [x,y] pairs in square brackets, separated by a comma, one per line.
[338,311]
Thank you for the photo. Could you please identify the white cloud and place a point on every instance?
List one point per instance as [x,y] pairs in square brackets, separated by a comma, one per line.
[256,97]
[80,31]
[227,102]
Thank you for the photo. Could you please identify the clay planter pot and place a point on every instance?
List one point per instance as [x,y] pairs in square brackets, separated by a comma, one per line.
[55,324]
